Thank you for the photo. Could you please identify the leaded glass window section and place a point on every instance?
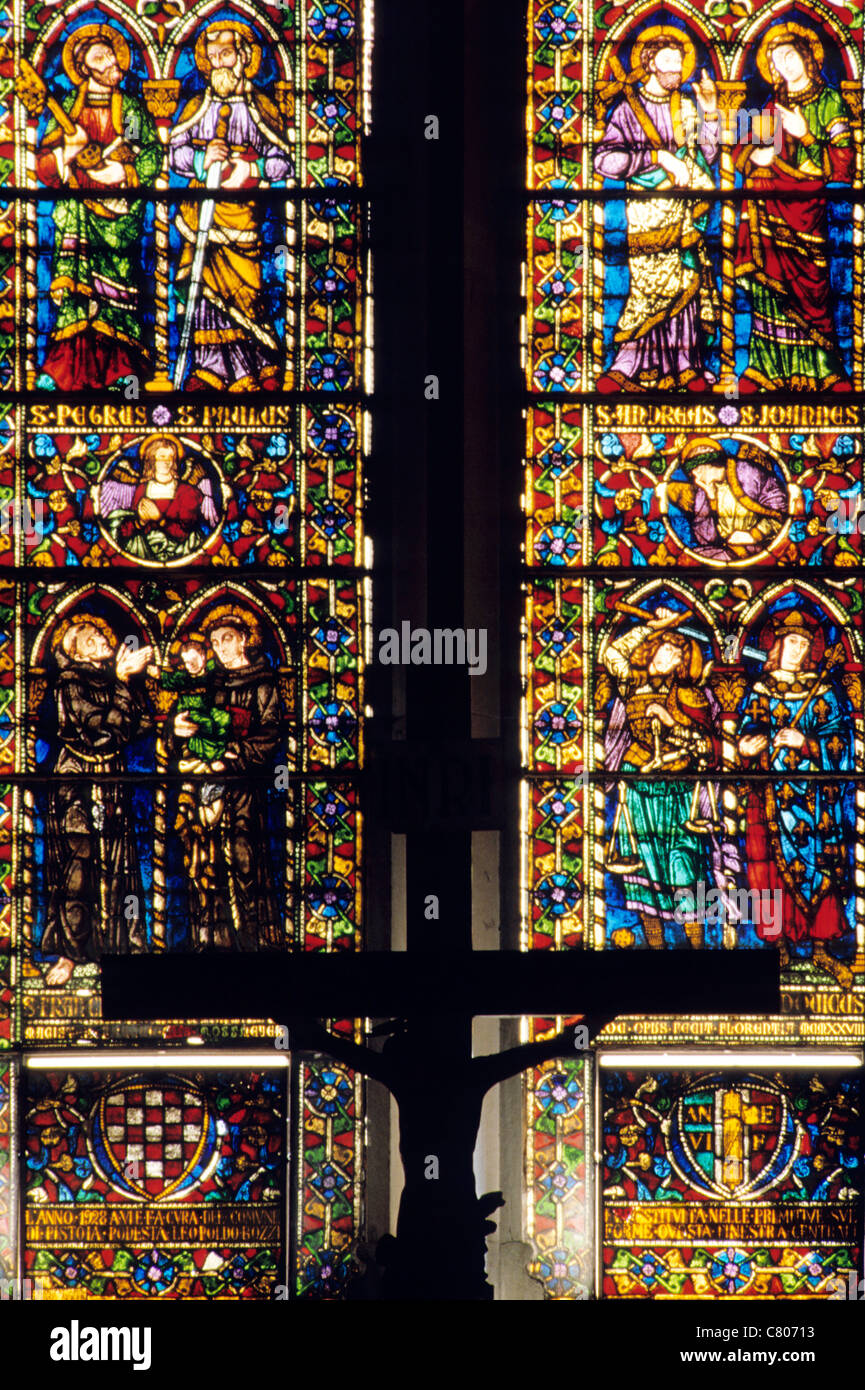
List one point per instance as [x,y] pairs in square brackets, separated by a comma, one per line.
[184,366]
[692,716]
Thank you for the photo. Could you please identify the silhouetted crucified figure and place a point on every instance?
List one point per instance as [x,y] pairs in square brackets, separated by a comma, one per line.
[427,1063]
[440,1240]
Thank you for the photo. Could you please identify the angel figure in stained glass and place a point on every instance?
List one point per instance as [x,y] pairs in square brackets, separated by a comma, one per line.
[163,513]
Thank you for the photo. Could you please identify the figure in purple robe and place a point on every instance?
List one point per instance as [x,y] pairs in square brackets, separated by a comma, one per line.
[734,506]
[234,127]
[656,138]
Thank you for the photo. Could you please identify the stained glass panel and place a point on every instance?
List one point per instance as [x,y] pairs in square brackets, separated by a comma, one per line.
[183,338]
[561,1116]
[75,479]
[282,302]
[728,1185]
[7,1193]
[618,486]
[693,736]
[757,306]
[330,1177]
[155,1186]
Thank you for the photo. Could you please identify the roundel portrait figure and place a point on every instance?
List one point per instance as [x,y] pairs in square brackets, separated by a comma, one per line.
[161,506]
[229,135]
[108,142]
[727,503]
[782,251]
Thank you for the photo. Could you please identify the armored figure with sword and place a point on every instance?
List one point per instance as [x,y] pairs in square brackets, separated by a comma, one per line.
[664,721]
[227,137]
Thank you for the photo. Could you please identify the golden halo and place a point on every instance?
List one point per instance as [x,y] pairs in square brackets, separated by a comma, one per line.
[665,31]
[151,441]
[233,613]
[701,444]
[82,620]
[105,34]
[242,30]
[159,436]
[785,33]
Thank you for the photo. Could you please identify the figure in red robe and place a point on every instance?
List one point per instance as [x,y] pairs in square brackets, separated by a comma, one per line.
[782,256]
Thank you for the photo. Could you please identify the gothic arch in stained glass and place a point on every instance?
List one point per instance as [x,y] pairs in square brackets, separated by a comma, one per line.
[693,719]
[183,356]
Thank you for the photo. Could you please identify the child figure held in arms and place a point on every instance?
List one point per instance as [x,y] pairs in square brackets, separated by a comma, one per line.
[207,746]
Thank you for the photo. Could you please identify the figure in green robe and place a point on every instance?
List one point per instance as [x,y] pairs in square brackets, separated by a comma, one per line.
[96,339]
[662,723]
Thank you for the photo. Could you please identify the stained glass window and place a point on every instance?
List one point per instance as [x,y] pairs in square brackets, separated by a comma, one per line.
[7,1190]
[725,1184]
[184,362]
[156,1184]
[692,716]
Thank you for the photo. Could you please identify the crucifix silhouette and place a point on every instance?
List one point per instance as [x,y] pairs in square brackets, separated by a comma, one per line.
[426,1061]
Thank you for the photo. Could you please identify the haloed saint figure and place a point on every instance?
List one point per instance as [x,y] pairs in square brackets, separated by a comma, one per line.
[227,719]
[796,720]
[91,866]
[96,338]
[782,253]
[218,746]
[658,138]
[229,136]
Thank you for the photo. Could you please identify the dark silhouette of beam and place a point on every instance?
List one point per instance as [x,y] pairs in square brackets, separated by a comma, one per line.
[398,984]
